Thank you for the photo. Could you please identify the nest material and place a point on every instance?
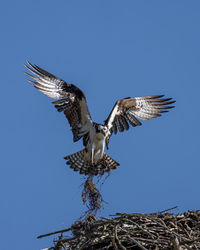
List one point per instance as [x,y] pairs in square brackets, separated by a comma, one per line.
[91,197]
[135,231]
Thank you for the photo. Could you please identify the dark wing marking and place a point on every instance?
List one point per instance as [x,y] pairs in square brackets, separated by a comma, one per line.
[126,110]
[72,100]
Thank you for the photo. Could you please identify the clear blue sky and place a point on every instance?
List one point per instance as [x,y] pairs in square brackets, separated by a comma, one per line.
[110,49]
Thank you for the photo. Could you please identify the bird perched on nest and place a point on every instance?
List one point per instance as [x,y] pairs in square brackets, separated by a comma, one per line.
[92,160]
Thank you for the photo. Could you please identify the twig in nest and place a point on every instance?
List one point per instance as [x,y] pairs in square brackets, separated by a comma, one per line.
[169,209]
[136,243]
[56,232]
[117,239]
[175,243]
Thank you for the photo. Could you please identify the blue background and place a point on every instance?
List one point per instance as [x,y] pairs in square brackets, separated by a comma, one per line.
[111,50]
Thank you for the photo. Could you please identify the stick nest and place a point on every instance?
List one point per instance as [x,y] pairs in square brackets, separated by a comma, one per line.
[160,230]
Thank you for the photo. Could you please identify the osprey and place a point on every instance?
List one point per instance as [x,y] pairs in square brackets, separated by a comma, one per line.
[92,160]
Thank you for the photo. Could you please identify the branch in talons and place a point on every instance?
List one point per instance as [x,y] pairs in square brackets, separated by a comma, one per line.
[91,197]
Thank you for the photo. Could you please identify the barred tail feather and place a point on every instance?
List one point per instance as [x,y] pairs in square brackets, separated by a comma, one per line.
[77,163]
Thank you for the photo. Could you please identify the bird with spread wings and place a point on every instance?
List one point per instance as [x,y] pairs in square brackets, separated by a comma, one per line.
[92,160]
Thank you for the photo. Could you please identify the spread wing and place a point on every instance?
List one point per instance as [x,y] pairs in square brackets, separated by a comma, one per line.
[127,110]
[72,100]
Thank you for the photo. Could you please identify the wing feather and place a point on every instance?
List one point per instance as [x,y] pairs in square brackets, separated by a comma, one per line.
[127,110]
[72,100]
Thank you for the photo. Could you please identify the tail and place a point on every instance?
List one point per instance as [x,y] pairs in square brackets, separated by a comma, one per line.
[77,163]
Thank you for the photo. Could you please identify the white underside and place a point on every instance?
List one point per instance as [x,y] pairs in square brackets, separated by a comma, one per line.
[95,147]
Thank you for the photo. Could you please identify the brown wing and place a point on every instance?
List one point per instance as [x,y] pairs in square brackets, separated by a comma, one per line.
[73,102]
[126,110]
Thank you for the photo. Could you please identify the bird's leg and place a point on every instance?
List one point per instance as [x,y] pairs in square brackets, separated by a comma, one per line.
[92,154]
[107,141]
